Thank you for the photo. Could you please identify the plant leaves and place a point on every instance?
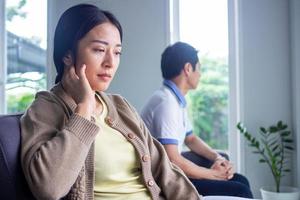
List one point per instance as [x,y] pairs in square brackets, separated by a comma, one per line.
[277,154]
[262,160]
[289,148]
[273,129]
[273,143]
[274,148]
[284,127]
[262,129]
[285,133]
[256,152]
[279,124]
[288,140]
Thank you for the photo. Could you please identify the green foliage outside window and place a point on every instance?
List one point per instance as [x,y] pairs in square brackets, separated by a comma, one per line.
[21,87]
[19,101]
[13,11]
[208,104]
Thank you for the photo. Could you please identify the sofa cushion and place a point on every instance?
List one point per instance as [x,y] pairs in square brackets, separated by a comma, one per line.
[12,182]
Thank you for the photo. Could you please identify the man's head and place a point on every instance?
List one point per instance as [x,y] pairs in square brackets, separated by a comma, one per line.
[181,59]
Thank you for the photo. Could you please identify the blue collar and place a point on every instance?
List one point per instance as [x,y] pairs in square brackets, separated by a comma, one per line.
[172,86]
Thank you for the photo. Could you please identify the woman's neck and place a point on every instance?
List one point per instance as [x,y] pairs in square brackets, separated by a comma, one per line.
[99,107]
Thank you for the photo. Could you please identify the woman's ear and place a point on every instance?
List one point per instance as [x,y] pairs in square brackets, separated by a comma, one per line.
[68,59]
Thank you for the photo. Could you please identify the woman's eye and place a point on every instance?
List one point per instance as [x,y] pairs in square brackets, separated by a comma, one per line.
[118,53]
[99,50]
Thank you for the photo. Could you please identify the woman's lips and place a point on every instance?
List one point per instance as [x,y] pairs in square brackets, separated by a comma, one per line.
[104,77]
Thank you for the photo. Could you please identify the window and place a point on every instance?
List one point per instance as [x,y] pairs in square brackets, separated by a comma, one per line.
[204,25]
[25,54]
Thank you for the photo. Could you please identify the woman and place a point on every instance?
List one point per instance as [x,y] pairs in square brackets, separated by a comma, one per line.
[81,143]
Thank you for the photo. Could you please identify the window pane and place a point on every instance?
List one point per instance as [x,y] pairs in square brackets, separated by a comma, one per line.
[26,26]
[203,24]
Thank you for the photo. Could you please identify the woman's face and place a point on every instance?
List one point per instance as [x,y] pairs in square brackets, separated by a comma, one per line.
[100,51]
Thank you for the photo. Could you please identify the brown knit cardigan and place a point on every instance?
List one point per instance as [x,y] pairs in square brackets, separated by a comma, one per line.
[57,151]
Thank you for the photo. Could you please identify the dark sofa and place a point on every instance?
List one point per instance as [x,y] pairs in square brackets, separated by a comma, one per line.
[12,181]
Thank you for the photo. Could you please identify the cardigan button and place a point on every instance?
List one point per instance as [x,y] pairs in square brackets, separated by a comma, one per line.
[145,158]
[109,121]
[131,136]
[150,183]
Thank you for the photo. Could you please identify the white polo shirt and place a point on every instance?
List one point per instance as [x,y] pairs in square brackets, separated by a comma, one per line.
[165,115]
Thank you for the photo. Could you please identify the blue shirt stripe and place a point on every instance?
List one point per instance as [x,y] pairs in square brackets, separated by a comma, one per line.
[167,141]
[172,86]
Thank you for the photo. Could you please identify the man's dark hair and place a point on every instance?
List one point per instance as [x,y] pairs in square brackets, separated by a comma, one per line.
[175,57]
[72,26]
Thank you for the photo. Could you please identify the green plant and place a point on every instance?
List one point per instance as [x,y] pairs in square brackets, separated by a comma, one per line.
[274,146]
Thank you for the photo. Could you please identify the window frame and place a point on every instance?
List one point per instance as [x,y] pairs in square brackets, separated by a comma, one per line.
[236,144]
[236,94]
[51,24]
[3,68]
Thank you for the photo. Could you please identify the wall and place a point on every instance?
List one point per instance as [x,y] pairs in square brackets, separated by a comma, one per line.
[295,61]
[263,75]
[144,24]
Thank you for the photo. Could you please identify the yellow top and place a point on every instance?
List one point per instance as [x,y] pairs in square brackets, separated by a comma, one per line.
[118,171]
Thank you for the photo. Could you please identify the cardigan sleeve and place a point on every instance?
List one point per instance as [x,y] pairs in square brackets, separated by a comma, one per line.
[54,147]
[167,175]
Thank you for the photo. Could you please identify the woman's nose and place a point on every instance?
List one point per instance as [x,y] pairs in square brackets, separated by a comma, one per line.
[109,60]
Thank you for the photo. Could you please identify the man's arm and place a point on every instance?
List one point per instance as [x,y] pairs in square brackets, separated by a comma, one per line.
[198,146]
[191,169]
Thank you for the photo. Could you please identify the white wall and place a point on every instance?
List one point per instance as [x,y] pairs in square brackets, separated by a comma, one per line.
[295,61]
[144,24]
[264,74]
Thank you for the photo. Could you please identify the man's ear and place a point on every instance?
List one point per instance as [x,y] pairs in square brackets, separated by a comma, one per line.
[68,59]
[188,68]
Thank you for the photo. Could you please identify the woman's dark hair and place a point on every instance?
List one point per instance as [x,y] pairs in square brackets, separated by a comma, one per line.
[175,57]
[72,26]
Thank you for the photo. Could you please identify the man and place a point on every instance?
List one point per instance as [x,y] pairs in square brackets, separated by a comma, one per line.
[165,115]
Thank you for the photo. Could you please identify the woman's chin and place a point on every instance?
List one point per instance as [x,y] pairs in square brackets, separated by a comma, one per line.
[100,88]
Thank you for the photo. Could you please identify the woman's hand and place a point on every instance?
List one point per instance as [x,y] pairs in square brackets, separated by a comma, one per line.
[78,87]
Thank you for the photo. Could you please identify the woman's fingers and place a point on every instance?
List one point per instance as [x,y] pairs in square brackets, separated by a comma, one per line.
[81,73]
[70,73]
[82,77]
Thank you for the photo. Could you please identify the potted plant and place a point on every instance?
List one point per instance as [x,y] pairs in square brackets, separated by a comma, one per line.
[274,147]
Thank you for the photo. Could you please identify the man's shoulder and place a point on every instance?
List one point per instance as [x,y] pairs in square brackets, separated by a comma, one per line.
[164,95]
[161,103]
[161,99]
